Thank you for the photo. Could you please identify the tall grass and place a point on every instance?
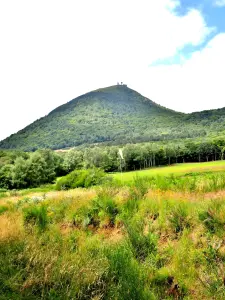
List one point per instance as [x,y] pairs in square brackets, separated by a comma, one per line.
[36,216]
[190,182]
[213,216]
[115,243]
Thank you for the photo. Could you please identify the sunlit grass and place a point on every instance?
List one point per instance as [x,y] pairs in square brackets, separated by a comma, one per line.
[178,169]
[135,241]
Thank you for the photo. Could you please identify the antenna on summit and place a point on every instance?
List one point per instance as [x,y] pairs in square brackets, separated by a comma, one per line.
[121,83]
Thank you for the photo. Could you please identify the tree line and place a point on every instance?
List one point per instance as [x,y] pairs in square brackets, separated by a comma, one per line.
[22,169]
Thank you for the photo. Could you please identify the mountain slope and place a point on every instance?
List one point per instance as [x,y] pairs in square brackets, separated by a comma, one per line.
[116,114]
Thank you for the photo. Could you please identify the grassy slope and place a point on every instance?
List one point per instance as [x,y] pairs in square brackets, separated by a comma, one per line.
[113,114]
[113,243]
[177,169]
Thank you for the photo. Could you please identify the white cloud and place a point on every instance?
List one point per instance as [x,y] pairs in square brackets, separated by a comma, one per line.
[219,3]
[52,51]
[196,84]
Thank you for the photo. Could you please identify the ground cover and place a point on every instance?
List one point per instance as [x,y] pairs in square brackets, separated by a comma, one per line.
[177,169]
[133,241]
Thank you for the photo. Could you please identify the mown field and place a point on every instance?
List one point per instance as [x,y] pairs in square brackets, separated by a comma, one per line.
[150,237]
[177,169]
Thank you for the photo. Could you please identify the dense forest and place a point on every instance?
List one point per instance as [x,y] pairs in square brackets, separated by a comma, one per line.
[20,169]
[112,116]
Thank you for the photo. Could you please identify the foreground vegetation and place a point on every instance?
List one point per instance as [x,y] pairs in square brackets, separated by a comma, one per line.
[150,238]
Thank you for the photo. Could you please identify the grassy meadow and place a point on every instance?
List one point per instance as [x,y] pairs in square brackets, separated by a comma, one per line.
[177,169]
[156,235]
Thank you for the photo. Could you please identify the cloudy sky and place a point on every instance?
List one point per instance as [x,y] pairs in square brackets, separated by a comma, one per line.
[52,51]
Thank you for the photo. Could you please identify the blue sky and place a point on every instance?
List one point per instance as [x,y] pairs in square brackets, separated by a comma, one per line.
[212,11]
[214,16]
[171,51]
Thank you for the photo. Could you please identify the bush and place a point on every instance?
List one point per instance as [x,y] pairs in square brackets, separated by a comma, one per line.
[179,217]
[85,216]
[3,209]
[142,244]
[140,187]
[101,212]
[165,285]
[80,178]
[125,279]
[36,215]
[3,193]
[213,217]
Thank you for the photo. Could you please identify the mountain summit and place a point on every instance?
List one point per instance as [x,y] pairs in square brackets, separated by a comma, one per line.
[116,114]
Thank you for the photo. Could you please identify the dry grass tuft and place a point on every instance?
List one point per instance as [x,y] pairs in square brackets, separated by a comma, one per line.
[113,235]
[11,226]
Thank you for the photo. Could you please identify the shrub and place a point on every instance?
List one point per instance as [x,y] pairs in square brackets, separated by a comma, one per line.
[100,212]
[2,195]
[85,216]
[142,244]
[125,278]
[107,211]
[179,217]
[36,215]
[213,216]
[80,178]
[140,187]
[165,285]
[13,193]
[3,209]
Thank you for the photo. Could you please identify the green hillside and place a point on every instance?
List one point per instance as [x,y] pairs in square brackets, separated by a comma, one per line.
[115,114]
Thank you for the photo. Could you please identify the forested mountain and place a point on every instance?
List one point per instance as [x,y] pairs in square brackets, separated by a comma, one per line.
[115,115]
